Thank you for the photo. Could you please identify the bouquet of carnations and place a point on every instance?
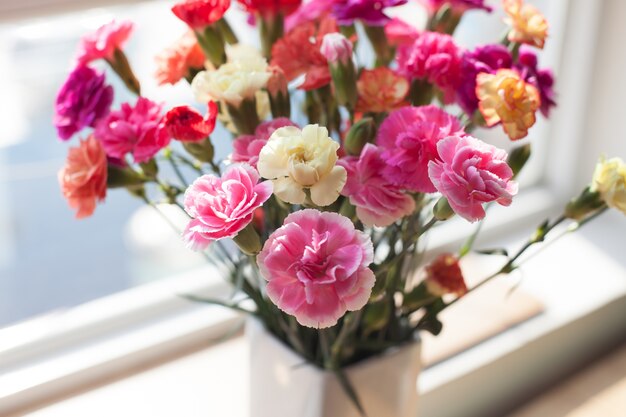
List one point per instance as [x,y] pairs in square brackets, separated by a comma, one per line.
[327,215]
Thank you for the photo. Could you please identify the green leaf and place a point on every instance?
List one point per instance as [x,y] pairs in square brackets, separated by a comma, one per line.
[349,390]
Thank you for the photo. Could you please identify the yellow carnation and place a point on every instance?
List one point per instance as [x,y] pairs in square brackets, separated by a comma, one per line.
[296,159]
[527,23]
[505,97]
[609,180]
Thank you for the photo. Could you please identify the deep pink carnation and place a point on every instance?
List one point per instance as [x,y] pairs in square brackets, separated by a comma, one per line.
[489,59]
[433,57]
[399,32]
[137,130]
[82,101]
[316,266]
[102,43]
[543,78]
[378,202]
[222,207]
[246,148]
[370,12]
[409,138]
[471,173]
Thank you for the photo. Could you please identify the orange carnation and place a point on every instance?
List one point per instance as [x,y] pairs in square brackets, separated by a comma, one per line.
[180,60]
[380,90]
[505,97]
[83,179]
[527,23]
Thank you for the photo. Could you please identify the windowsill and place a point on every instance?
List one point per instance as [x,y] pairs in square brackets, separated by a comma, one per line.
[585,299]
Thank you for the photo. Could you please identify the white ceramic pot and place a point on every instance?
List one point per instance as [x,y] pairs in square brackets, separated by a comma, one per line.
[284,385]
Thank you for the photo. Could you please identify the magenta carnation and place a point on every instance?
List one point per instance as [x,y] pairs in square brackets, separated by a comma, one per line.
[137,130]
[102,43]
[246,148]
[489,59]
[540,78]
[378,202]
[433,57]
[82,101]
[471,173]
[370,12]
[316,266]
[222,207]
[409,138]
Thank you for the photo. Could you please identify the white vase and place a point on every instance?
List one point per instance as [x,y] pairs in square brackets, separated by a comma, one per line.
[284,385]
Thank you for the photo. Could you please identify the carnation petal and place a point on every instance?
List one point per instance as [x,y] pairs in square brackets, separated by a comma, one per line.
[327,189]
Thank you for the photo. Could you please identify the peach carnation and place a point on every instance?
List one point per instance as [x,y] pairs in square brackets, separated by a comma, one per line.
[380,90]
[83,179]
[504,97]
[181,60]
[527,23]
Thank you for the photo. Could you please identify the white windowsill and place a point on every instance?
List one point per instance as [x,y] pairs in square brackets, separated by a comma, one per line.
[581,318]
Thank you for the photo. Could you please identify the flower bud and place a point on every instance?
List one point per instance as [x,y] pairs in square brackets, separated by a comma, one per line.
[278,93]
[203,151]
[585,204]
[361,133]
[444,276]
[518,158]
[442,210]
[336,48]
[118,177]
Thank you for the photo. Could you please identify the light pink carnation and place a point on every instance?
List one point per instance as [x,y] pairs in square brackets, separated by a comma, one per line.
[471,173]
[433,57]
[102,43]
[409,139]
[316,266]
[138,130]
[222,207]
[377,201]
[246,148]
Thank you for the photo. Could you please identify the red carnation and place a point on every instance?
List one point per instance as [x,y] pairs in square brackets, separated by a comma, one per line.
[188,125]
[298,52]
[270,7]
[200,13]
[444,276]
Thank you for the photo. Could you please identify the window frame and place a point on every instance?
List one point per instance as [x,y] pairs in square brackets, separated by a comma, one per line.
[27,363]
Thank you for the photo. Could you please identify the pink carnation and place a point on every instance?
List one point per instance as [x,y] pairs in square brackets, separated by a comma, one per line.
[377,201]
[316,266]
[102,43]
[222,207]
[471,173]
[137,130]
[409,139]
[433,57]
[246,148]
